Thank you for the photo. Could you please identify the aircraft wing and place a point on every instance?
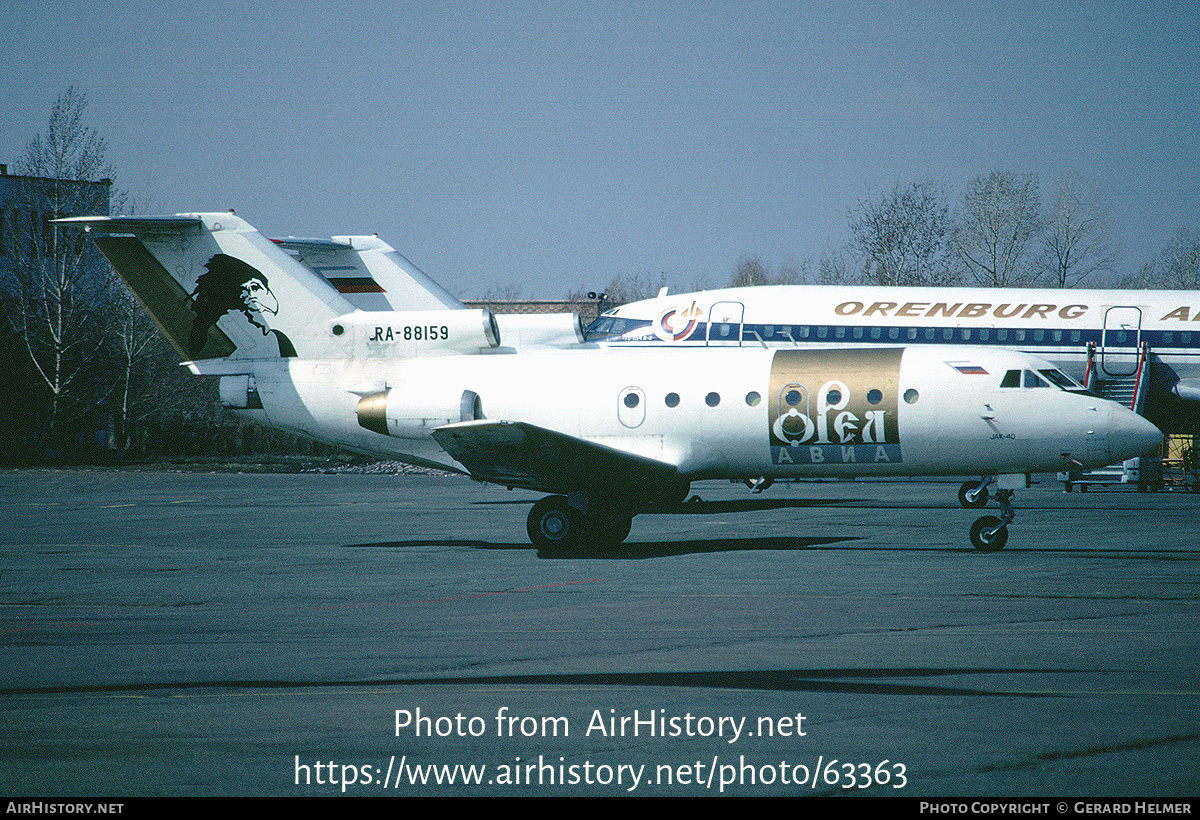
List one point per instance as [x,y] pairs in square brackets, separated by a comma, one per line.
[517,454]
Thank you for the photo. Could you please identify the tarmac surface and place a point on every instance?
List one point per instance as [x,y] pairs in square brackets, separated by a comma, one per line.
[225,634]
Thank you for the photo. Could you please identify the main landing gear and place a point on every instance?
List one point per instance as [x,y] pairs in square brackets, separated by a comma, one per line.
[554,523]
[990,533]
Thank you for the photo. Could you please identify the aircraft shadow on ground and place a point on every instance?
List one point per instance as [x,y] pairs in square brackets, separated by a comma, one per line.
[631,550]
[739,505]
[877,681]
[868,681]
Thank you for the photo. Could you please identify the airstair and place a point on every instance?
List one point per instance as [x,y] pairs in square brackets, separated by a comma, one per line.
[1128,390]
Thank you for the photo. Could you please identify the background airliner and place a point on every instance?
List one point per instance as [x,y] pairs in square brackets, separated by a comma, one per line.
[1141,348]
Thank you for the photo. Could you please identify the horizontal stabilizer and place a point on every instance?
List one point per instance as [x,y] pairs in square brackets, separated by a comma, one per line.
[134,224]
[517,454]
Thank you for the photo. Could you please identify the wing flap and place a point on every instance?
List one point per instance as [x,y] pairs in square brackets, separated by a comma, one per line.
[518,454]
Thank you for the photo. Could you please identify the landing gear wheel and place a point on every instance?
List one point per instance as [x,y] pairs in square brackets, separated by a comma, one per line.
[555,524]
[979,499]
[610,528]
[987,535]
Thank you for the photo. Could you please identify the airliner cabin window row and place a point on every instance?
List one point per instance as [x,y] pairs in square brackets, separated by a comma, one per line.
[608,327]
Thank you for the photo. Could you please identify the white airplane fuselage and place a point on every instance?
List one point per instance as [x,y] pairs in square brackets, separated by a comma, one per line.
[725,413]
[1073,329]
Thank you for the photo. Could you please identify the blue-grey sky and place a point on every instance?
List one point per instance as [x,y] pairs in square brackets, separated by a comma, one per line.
[553,145]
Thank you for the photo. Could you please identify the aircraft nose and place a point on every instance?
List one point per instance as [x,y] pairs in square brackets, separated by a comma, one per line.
[1131,435]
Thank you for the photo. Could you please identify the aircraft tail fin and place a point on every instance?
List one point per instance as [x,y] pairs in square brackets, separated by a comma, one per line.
[219,288]
[370,274]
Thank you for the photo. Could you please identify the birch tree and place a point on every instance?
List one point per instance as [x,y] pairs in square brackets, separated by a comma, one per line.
[58,281]
[903,238]
[1076,240]
[997,229]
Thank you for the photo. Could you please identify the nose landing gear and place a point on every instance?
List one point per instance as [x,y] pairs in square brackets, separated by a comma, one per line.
[989,533]
[974,494]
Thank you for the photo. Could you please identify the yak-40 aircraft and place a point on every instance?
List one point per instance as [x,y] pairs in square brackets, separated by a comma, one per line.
[1138,347]
[345,341]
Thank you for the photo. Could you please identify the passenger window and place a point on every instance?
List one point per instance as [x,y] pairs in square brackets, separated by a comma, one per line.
[712,399]
[672,400]
[752,398]
[1011,379]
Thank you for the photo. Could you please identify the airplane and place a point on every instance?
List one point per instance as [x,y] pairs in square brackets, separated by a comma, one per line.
[1141,347]
[287,328]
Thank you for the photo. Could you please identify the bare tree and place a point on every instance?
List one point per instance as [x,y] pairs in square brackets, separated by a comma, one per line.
[997,226]
[625,288]
[58,281]
[750,271]
[1177,267]
[1076,238]
[903,237]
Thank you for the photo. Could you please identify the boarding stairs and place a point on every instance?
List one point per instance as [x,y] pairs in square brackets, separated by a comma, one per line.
[1130,391]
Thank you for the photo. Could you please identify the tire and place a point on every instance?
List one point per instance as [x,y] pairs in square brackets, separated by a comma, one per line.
[986,544]
[554,524]
[610,528]
[980,501]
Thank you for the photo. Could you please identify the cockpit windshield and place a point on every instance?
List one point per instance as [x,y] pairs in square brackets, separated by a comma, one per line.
[1042,378]
[611,327]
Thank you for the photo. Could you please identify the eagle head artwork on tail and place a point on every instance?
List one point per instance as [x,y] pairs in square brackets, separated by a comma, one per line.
[231,284]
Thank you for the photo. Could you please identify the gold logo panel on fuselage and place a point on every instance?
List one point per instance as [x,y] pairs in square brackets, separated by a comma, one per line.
[835,406]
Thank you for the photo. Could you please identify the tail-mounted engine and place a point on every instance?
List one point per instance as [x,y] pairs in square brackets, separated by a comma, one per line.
[413,413]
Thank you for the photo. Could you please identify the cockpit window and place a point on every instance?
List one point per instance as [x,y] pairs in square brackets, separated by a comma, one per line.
[1042,378]
[607,327]
[598,328]
[1061,379]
